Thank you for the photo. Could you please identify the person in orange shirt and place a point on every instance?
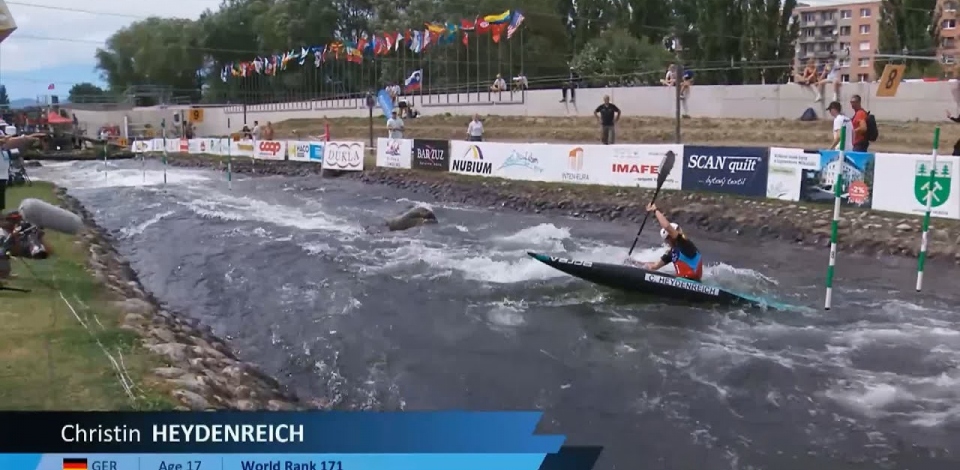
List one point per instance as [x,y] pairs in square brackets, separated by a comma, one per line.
[859,121]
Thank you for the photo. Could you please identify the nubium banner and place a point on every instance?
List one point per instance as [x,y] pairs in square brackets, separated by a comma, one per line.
[314,440]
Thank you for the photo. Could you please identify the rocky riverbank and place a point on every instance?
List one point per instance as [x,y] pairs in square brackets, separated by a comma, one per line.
[201,371]
[861,231]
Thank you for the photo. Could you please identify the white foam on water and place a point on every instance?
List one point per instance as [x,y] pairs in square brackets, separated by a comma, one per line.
[225,207]
[87,175]
[132,231]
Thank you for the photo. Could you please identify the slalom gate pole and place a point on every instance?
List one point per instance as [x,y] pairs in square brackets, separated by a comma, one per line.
[229,163]
[253,158]
[104,159]
[143,165]
[164,155]
[834,225]
[925,237]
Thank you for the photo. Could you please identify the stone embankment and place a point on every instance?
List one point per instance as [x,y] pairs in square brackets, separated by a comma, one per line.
[861,231]
[201,371]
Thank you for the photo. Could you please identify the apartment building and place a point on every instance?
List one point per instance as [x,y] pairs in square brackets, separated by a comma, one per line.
[849,30]
[949,49]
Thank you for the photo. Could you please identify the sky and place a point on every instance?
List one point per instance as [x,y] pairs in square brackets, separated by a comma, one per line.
[54,45]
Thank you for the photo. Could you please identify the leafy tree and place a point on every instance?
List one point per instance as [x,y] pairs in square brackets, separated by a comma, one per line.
[4,98]
[910,27]
[86,93]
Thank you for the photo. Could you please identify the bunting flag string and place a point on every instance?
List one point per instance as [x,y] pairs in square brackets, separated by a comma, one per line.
[381,44]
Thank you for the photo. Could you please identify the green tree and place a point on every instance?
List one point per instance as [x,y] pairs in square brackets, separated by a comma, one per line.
[910,27]
[4,98]
[86,93]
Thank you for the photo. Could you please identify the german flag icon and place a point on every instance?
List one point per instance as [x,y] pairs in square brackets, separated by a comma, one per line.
[74,464]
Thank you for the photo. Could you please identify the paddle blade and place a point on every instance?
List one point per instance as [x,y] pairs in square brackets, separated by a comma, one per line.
[665,166]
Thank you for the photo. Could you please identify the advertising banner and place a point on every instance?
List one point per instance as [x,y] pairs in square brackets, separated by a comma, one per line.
[636,166]
[156,145]
[270,150]
[140,146]
[343,156]
[316,152]
[730,170]
[785,171]
[184,146]
[902,184]
[857,170]
[298,151]
[527,162]
[193,146]
[476,158]
[241,148]
[430,155]
[394,153]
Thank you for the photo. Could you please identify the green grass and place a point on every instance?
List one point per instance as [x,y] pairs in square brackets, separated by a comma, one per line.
[49,360]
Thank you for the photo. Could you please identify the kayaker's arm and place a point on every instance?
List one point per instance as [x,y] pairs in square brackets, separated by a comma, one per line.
[654,265]
[662,220]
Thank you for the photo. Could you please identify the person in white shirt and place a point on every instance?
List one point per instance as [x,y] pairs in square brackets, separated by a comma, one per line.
[394,126]
[829,76]
[840,122]
[499,84]
[475,129]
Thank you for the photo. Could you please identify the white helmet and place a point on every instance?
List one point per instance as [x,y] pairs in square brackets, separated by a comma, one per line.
[664,233]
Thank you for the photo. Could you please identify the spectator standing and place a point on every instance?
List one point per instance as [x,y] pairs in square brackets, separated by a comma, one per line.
[256,130]
[4,174]
[840,122]
[956,146]
[268,132]
[475,129]
[608,114]
[394,126]
[860,141]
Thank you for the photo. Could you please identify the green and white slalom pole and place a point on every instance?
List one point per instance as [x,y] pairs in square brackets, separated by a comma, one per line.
[105,159]
[229,163]
[164,155]
[922,259]
[837,191]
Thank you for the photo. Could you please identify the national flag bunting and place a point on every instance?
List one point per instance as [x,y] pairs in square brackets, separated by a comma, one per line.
[412,83]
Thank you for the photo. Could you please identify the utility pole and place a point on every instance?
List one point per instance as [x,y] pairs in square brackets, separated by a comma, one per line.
[673,45]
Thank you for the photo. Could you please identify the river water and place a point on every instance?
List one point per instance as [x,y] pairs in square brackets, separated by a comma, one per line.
[457,316]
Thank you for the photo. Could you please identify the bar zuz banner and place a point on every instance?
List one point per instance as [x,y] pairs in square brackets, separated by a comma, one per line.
[731,170]
[431,155]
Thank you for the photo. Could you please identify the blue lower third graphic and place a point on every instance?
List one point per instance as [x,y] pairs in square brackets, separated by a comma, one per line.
[285,461]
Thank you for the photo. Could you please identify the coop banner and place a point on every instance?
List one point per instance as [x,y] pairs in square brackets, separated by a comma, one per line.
[856,171]
[394,153]
[343,156]
[785,170]
[731,170]
[636,166]
[270,150]
[903,183]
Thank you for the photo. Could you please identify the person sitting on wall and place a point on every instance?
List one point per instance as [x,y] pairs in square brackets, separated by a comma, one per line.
[247,133]
[404,108]
[669,79]
[520,82]
[830,74]
[499,84]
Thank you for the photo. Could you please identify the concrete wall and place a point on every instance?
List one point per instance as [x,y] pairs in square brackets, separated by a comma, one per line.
[914,101]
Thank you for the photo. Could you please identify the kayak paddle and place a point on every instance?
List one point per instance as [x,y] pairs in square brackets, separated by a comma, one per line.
[665,166]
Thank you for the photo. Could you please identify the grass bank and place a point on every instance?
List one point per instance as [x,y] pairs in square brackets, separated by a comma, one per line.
[66,357]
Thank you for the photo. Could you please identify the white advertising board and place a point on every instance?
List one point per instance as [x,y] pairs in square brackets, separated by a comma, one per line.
[635,166]
[270,149]
[394,153]
[901,183]
[343,156]
[785,171]
[141,146]
[477,158]
[298,151]
[193,147]
[241,148]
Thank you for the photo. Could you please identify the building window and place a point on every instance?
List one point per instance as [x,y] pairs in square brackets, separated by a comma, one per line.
[865,45]
[864,62]
[828,31]
[844,78]
[846,14]
[949,60]
[808,17]
[844,62]
[844,46]
[864,29]
[827,15]
[950,5]
[948,43]
[948,24]
[844,30]
[864,13]
[863,77]
[808,32]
